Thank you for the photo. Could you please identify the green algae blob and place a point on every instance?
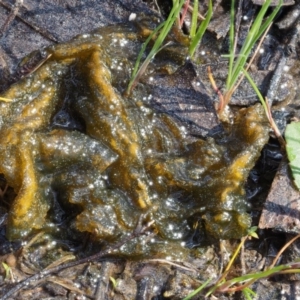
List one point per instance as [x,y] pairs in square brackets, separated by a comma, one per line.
[68,135]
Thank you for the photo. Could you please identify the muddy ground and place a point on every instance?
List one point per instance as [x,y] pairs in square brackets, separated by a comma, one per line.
[32,25]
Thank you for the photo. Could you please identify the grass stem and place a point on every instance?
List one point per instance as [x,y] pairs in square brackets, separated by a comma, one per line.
[257,30]
[162,30]
[196,40]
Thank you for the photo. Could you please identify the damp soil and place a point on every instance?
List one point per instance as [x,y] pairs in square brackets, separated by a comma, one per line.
[68,244]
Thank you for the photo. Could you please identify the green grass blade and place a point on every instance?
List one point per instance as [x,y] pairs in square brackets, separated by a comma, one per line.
[137,63]
[258,27]
[194,19]
[168,25]
[266,108]
[198,290]
[248,293]
[252,35]
[165,29]
[257,91]
[231,43]
[201,30]
[255,32]
[269,19]
[256,276]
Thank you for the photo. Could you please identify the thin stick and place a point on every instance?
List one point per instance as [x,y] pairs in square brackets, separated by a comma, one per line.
[185,9]
[283,249]
[235,254]
[200,17]
[274,125]
[11,16]
[267,107]
[217,90]
[2,192]
[242,257]
[41,31]
[165,261]
[137,232]
[39,64]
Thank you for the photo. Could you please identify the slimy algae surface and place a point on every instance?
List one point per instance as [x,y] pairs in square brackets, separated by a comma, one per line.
[69,138]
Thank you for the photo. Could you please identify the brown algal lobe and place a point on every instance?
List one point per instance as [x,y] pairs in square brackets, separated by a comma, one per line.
[123,159]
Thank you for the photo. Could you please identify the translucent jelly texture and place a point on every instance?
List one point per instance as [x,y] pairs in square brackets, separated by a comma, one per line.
[69,136]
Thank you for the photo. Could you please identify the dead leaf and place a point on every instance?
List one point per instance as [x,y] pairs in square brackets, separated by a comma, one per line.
[282,207]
